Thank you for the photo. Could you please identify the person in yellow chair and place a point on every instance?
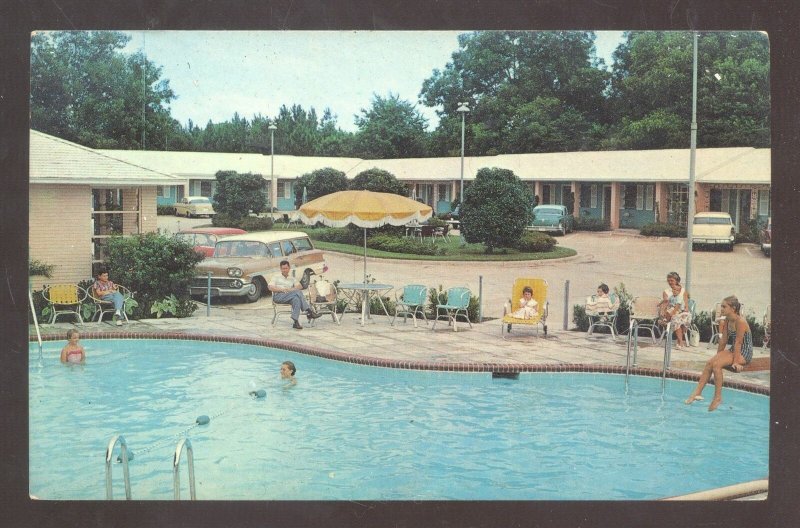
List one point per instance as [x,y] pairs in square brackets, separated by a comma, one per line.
[528,307]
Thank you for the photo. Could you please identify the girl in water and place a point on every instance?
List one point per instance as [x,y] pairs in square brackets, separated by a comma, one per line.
[73,351]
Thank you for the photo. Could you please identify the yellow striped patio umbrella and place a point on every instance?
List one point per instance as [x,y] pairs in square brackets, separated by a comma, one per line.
[364,209]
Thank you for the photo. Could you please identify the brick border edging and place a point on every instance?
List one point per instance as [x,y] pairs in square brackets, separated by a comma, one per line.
[410,365]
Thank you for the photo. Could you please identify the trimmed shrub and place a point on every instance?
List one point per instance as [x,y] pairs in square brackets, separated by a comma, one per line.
[535,242]
[255,223]
[165,210]
[749,232]
[340,235]
[225,220]
[591,224]
[580,318]
[436,296]
[155,267]
[396,244]
[666,230]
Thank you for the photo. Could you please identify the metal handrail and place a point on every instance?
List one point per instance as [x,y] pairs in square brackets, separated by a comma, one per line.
[126,474]
[176,476]
[667,354]
[35,323]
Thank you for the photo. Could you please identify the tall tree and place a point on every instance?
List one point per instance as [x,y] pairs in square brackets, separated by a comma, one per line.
[651,90]
[391,128]
[528,91]
[84,89]
[378,180]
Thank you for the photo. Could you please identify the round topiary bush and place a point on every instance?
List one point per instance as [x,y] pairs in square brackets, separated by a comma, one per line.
[535,242]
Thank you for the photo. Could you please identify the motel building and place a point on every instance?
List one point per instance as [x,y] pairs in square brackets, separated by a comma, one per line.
[105,192]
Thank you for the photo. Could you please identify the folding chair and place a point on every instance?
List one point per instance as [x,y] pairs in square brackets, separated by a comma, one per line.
[539,287]
[411,300]
[64,299]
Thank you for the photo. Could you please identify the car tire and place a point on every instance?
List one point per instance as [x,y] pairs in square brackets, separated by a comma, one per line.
[256,289]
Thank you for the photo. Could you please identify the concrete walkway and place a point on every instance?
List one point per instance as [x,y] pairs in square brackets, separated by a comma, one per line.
[402,342]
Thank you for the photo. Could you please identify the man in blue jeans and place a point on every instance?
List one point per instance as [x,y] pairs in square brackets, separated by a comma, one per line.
[106,290]
[286,290]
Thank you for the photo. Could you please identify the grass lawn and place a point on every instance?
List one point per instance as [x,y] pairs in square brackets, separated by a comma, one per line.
[453,251]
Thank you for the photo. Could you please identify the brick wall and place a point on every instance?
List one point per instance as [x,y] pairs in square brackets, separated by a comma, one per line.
[60,229]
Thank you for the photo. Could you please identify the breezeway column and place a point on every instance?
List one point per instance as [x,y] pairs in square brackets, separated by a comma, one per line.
[576,206]
[537,189]
[661,196]
[615,201]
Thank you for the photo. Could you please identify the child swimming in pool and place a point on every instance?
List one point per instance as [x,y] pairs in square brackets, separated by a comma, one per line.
[73,351]
[527,305]
[287,372]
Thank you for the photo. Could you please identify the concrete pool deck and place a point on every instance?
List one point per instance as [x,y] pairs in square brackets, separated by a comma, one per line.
[480,345]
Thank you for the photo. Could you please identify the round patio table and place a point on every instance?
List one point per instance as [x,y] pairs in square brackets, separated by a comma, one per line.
[367,290]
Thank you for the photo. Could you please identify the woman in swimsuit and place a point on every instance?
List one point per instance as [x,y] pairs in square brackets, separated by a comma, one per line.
[735,333]
[73,351]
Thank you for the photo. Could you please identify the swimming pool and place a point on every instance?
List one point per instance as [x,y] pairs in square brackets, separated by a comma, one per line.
[347,431]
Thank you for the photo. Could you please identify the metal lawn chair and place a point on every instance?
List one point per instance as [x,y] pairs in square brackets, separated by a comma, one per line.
[692,328]
[64,299]
[456,304]
[411,300]
[322,298]
[539,287]
[602,313]
[644,311]
[106,306]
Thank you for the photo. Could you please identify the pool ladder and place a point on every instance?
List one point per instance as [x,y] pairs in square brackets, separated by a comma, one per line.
[633,342]
[176,461]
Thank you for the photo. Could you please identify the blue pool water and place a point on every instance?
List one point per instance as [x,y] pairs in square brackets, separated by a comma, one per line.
[353,432]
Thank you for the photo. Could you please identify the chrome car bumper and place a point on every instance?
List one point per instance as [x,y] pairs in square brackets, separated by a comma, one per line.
[219,287]
[711,241]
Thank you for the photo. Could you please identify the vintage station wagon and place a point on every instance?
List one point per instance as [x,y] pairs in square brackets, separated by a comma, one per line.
[203,239]
[242,264]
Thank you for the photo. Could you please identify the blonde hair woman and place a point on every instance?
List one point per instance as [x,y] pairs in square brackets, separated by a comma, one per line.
[734,333]
[675,306]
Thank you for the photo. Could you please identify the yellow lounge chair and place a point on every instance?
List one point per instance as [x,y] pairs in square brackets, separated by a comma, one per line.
[539,293]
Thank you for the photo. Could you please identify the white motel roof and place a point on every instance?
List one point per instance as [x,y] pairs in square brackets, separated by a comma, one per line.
[55,160]
[744,165]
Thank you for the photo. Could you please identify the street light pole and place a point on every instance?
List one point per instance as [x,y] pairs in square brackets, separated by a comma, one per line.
[272,193]
[462,109]
[692,156]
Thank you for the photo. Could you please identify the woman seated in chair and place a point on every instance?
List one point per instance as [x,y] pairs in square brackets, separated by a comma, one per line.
[105,290]
[675,307]
[528,307]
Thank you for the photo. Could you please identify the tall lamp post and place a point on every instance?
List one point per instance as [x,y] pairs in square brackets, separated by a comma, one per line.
[692,155]
[272,191]
[462,109]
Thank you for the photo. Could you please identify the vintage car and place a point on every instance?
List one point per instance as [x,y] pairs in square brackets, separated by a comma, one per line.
[194,206]
[765,237]
[204,238]
[552,218]
[243,264]
[713,228]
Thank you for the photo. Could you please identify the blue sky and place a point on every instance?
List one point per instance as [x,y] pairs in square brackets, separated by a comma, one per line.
[217,73]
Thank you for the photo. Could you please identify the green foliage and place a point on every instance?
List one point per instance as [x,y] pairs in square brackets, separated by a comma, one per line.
[665,230]
[624,311]
[340,235]
[319,183]
[535,242]
[749,232]
[38,267]
[580,318]
[390,129]
[165,210]
[237,195]
[436,297]
[378,180]
[167,305]
[397,244]
[583,223]
[256,223]
[153,266]
[436,222]
[497,208]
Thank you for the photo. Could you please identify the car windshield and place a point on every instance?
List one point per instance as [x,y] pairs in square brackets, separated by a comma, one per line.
[712,220]
[199,201]
[547,211]
[241,248]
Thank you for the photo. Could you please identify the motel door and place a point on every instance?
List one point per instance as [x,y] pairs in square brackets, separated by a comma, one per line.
[607,203]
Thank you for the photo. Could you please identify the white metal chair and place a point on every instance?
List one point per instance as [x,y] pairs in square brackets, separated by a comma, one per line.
[279,308]
[105,306]
[602,314]
[322,297]
[64,299]
[644,310]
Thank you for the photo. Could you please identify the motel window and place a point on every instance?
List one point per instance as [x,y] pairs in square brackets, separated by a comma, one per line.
[649,200]
[594,197]
[444,192]
[114,212]
[639,197]
[281,186]
[630,196]
[585,190]
[160,191]
[548,193]
[206,188]
[763,203]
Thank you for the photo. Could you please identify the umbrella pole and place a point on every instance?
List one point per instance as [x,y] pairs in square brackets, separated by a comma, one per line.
[365,255]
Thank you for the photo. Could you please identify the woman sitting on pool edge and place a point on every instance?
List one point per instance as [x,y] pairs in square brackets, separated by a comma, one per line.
[734,332]
[527,305]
